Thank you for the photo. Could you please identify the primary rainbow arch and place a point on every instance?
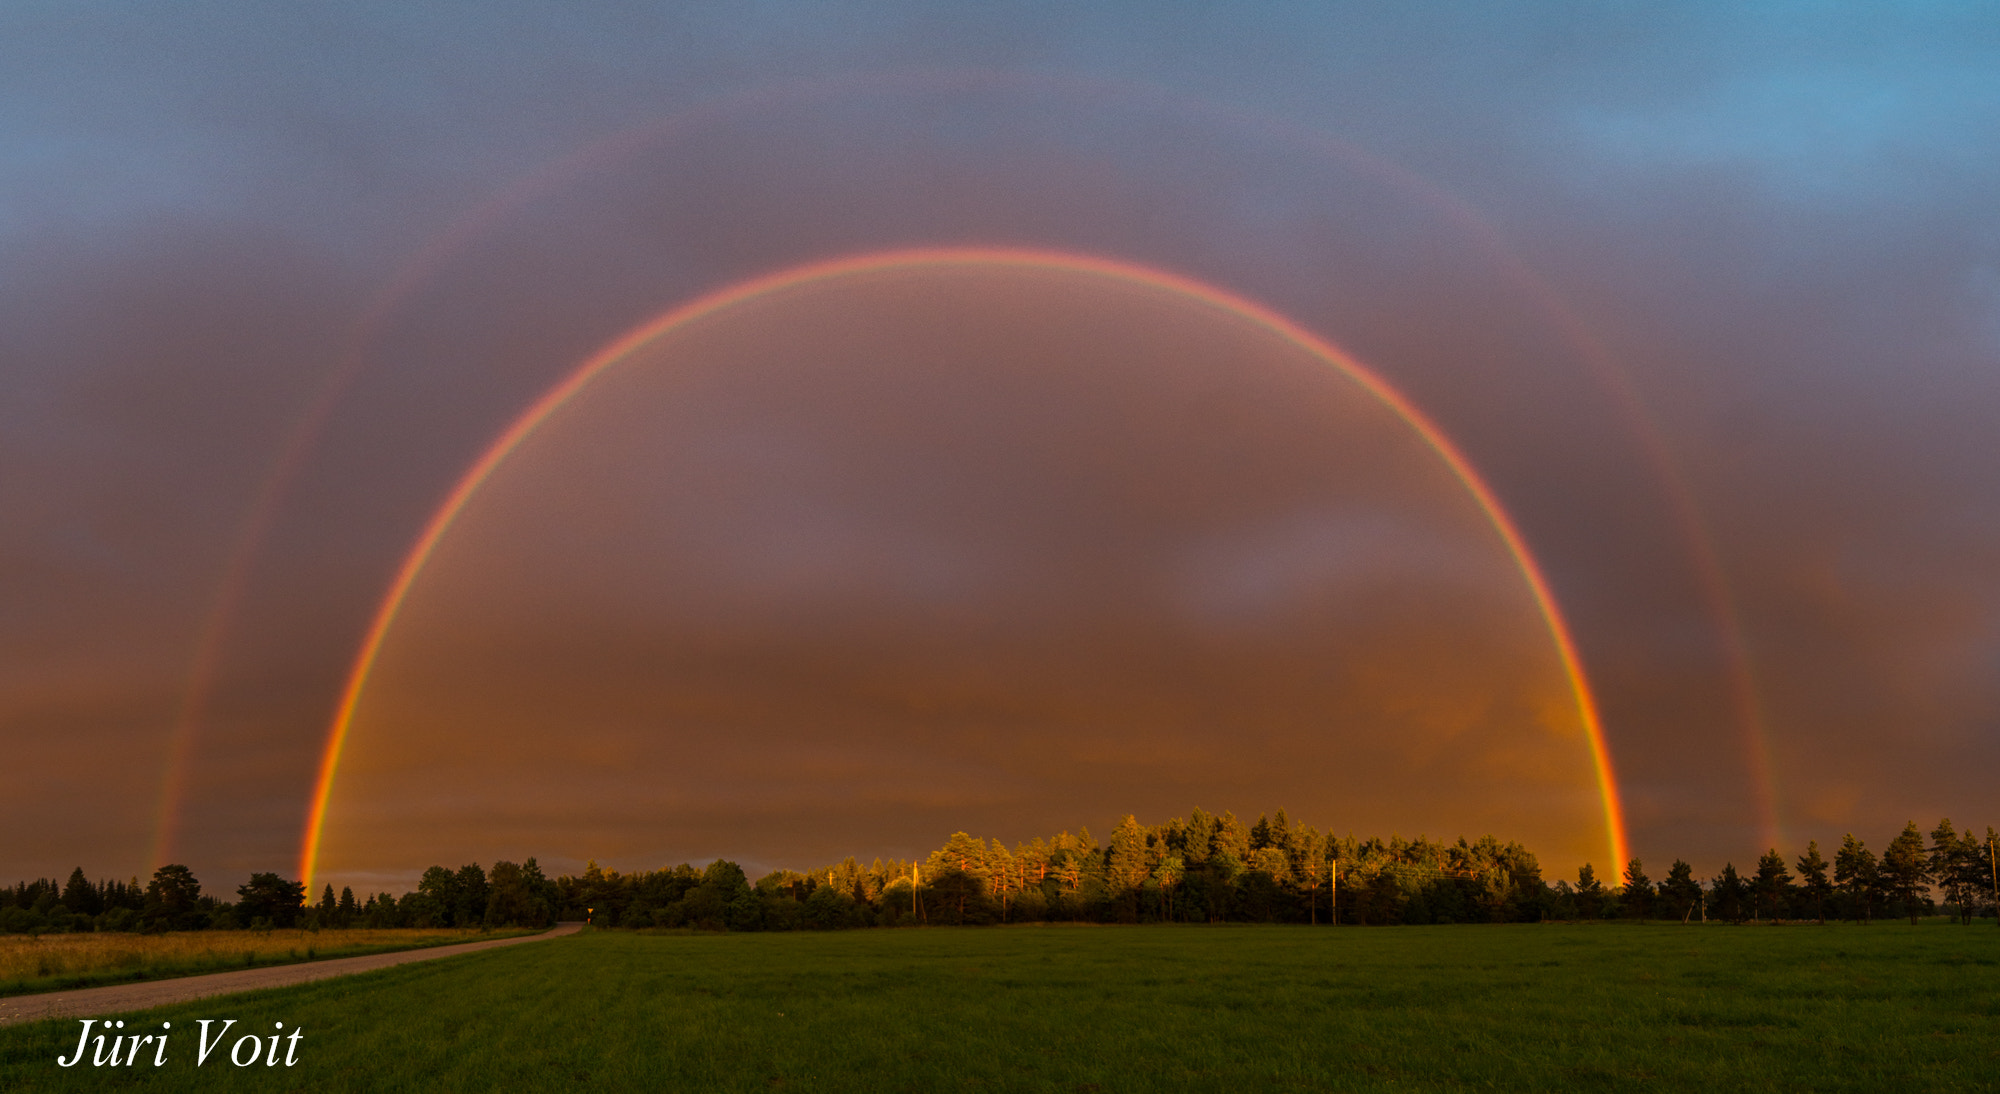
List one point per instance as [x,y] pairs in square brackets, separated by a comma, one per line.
[468,484]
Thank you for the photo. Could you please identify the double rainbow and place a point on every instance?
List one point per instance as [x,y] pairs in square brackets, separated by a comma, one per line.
[1055,261]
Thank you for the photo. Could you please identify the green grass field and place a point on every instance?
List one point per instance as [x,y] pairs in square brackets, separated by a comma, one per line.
[1600,1007]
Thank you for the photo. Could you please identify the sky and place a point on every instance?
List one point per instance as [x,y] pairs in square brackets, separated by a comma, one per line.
[1707,295]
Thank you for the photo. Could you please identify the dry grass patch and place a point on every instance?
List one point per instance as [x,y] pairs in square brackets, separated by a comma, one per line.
[54,961]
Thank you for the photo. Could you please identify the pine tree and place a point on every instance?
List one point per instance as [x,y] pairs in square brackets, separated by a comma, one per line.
[1856,874]
[957,872]
[1309,849]
[172,895]
[1002,875]
[1972,872]
[1812,879]
[1637,896]
[1728,890]
[1680,889]
[1126,866]
[1229,838]
[1906,870]
[79,896]
[1066,862]
[267,897]
[1167,875]
[1281,833]
[1991,852]
[1589,893]
[1942,862]
[1773,885]
[962,852]
[1955,865]
[1260,834]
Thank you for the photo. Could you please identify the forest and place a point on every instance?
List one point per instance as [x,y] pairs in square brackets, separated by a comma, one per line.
[1205,868]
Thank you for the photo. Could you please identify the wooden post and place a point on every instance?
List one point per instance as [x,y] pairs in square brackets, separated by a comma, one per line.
[1333,892]
[1993,863]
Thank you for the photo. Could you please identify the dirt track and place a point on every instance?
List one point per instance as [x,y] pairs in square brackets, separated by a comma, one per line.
[124,998]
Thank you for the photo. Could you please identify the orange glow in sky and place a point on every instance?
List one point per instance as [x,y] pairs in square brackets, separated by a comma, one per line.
[771,576]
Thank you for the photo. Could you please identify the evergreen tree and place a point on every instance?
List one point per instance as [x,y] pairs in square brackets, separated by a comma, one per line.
[1228,838]
[1260,834]
[1590,893]
[1066,862]
[1989,851]
[80,896]
[1032,858]
[1309,867]
[1812,879]
[1906,870]
[538,883]
[1773,884]
[1942,862]
[1003,876]
[1681,890]
[1730,892]
[1955,865]
[172,899]
[1167,875]
[272,899]
[962,852]
[1857,876]
[1969,869]
[1126,867]
[1637,896]
[957,873]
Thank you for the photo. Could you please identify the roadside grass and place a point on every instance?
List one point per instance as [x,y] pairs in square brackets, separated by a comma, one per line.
[57,962]
[1530,1007]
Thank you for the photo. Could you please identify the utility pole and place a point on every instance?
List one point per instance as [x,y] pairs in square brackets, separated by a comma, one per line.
[1333,892]
[1993,863]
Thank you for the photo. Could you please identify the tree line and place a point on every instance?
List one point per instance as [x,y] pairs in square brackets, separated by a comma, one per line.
[1856,885]
[510,895]
[1205,868]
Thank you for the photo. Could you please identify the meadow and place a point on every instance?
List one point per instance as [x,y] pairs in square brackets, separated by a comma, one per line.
[54,962]
[1542,1007]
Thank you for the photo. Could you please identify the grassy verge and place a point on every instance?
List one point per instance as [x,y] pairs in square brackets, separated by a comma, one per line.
[1602,1007]
[57,962]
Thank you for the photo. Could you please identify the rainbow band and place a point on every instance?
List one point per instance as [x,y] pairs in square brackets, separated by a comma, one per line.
[711,303]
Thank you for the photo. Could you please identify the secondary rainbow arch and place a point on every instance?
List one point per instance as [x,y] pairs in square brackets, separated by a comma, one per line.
[468,484]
